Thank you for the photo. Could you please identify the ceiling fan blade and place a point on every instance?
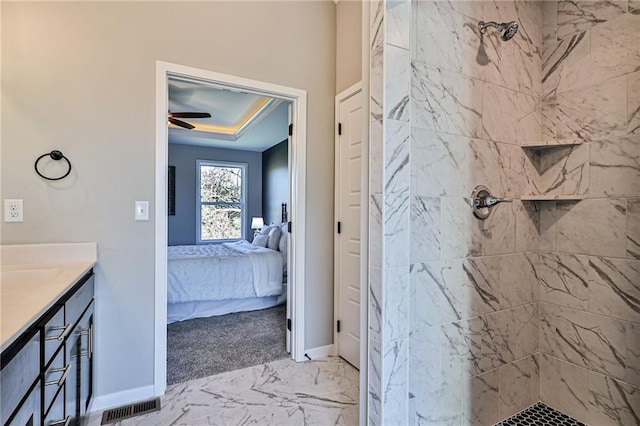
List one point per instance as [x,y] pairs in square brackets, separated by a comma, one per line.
[181,123]
[190,114]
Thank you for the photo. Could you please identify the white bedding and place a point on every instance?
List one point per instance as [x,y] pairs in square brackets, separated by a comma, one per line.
[190,310]
[237,270]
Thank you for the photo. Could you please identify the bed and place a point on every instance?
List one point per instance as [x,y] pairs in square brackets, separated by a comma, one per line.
[218,279]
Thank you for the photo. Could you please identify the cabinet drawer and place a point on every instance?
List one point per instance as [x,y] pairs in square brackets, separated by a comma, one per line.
[55,416]
[18,376]
[54,378]
[55,330]
[78,302]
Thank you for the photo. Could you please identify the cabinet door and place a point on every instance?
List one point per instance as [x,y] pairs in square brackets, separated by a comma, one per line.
[18,375]
[85,330]
[29,412]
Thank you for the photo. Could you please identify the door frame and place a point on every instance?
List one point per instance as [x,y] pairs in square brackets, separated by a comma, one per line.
[342,96]
[297,199]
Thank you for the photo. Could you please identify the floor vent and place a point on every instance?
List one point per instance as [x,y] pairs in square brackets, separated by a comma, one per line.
[132,410]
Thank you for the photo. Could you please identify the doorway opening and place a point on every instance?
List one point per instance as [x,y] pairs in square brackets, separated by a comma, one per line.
[241,224]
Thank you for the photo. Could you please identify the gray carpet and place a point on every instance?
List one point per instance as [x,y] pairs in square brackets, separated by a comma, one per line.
[205,346]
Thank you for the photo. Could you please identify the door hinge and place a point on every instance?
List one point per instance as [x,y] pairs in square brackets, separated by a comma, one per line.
[339,128]
[289,324]
[338,326]
[291,129]
[289,227]
[339,227]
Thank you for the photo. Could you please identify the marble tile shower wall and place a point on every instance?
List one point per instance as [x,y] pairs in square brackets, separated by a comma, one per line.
[477,320]
[473,313]
[589,260]
[375,398]
[390,213]
[389,221]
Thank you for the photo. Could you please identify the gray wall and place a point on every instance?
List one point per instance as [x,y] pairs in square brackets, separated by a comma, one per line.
[275,181]
[182,226]
[80,77]
[348,43]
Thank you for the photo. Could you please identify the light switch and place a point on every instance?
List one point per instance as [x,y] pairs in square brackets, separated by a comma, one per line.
[142,210]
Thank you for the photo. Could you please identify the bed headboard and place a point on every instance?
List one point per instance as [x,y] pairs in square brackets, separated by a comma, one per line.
[285,214]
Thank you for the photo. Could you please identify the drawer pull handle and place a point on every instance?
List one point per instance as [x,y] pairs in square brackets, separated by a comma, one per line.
[65,330]
[62,378]
[64,422]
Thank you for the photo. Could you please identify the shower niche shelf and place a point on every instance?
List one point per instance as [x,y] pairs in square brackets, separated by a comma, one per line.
[538,146]
[542,154]
[551,198]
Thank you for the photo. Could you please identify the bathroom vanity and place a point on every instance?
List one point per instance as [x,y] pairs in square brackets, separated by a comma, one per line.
[47,333]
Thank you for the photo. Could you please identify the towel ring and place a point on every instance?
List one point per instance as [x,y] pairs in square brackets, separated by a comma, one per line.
[55,155]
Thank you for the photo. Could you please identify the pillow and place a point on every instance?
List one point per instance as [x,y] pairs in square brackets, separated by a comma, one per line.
[274,238]
[260,240]
[282,248]
[266,229]
[282,245]
[284,227]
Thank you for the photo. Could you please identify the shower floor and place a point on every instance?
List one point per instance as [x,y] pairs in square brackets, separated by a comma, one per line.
[540,415]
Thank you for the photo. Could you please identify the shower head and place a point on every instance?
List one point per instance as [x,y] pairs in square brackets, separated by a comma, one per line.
[507,29]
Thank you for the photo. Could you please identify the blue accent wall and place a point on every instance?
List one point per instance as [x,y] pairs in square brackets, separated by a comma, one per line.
[275,181]
[182,226]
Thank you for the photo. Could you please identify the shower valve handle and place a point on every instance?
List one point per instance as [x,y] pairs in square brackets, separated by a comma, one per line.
[490,201]
[482,201]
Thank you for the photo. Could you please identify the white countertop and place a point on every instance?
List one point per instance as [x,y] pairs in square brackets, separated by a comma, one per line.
[32,281]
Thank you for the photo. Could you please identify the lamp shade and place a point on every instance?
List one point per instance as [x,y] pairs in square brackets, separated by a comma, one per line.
[257,222]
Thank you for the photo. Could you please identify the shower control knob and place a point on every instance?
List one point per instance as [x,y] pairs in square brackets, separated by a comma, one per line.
[490,201]
[482,201]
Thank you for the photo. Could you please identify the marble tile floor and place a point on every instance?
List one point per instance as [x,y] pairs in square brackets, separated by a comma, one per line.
[319,392]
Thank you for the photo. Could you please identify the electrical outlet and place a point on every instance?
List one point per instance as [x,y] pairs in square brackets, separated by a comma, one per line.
[13,211]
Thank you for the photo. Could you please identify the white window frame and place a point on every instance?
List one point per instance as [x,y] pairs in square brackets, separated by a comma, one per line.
[245,175]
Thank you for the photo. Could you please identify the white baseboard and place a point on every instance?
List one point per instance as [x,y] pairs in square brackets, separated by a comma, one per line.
[121,398]
[319,352]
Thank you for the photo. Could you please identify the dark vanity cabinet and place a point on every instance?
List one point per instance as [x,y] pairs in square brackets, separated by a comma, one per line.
[48,379]
[20,388]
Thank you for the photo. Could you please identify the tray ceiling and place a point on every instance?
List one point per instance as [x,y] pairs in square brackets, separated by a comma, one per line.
[238,120]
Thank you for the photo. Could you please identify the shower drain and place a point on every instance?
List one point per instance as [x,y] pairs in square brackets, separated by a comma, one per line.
[540,415]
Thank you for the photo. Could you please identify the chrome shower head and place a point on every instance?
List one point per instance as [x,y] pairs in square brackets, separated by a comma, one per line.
[507,29]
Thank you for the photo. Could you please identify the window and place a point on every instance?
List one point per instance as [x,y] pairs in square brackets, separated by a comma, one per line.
[221,201]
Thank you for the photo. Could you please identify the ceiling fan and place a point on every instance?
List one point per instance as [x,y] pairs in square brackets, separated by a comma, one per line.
[173,118]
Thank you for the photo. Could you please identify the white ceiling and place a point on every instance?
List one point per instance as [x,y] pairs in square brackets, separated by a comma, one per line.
[238,120]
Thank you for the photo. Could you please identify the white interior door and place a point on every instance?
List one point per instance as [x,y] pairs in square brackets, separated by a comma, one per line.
[289,263]
[347,246]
